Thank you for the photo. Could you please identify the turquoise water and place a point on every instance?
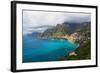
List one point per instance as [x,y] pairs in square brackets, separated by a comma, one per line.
[39,50]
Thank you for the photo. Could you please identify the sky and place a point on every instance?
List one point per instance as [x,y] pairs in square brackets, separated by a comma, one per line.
[39,21]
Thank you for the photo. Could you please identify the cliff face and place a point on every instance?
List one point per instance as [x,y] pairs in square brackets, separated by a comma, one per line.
[58,31]
[80,34]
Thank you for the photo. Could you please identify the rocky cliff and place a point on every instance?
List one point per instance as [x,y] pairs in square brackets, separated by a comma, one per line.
[58,31]
[78,33]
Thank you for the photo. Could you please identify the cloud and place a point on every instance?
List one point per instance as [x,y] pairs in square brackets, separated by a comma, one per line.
[40,20]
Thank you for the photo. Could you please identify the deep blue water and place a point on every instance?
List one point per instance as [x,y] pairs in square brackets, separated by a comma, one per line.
[39,50]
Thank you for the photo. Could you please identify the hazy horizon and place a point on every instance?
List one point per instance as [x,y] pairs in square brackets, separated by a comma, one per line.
[39,21]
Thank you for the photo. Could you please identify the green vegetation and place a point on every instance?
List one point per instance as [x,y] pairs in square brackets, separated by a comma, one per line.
[59,30]
[80,35]
[83,52]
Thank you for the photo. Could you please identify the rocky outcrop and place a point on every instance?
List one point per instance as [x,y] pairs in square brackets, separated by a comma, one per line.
[72,54]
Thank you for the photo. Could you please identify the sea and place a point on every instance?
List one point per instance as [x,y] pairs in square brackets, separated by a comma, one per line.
[43,50]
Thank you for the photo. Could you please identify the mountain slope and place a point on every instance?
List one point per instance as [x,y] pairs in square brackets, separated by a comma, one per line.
[58,30]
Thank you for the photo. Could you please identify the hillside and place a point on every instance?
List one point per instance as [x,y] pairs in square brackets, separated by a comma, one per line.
[57,31]
[67,31]
[78,33]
